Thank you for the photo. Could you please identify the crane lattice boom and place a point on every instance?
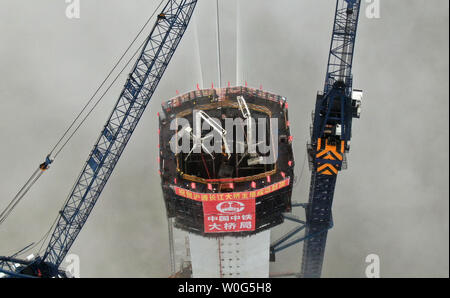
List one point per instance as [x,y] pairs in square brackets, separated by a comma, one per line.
[330,135]
[136,94]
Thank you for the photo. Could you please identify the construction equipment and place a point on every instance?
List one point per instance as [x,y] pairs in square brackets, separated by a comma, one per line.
[141,83]
[331,134]
[331,130]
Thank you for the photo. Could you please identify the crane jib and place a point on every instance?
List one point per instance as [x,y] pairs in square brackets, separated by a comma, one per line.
[330,138]
[139,87]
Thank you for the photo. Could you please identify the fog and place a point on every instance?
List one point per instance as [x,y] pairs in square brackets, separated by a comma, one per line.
[392,201]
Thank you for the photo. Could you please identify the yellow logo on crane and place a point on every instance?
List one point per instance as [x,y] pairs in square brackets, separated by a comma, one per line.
[325,151]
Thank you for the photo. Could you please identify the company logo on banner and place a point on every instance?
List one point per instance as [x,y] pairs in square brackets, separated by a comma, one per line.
[230,207]
[229,212]
[236,196]
[229,216]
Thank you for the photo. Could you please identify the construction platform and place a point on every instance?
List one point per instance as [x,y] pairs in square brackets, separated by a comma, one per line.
[226,161]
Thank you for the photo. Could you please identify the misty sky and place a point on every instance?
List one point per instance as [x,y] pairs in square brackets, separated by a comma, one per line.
[392,200]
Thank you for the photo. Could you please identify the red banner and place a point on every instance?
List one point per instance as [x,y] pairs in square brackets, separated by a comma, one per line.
[208,197]
[229,216]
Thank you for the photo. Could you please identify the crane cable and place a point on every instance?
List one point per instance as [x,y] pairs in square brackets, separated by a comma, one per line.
[33,178]
[50,158]
[299,177]
[101,85]
[219,66]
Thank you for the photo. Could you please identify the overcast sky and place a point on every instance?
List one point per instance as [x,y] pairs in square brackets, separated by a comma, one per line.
[392,200]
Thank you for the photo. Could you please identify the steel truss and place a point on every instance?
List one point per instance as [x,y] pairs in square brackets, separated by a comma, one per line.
[138,90]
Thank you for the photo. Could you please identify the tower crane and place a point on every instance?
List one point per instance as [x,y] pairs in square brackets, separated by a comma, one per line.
[331,131]
[335,108]
[140,85]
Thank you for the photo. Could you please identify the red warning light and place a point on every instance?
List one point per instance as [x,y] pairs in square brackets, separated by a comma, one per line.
[229,186]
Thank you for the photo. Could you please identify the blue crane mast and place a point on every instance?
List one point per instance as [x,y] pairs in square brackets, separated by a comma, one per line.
[140,85]
[331,128]
[330,134]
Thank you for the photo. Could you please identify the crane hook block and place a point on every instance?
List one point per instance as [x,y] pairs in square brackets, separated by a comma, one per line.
[45,165]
